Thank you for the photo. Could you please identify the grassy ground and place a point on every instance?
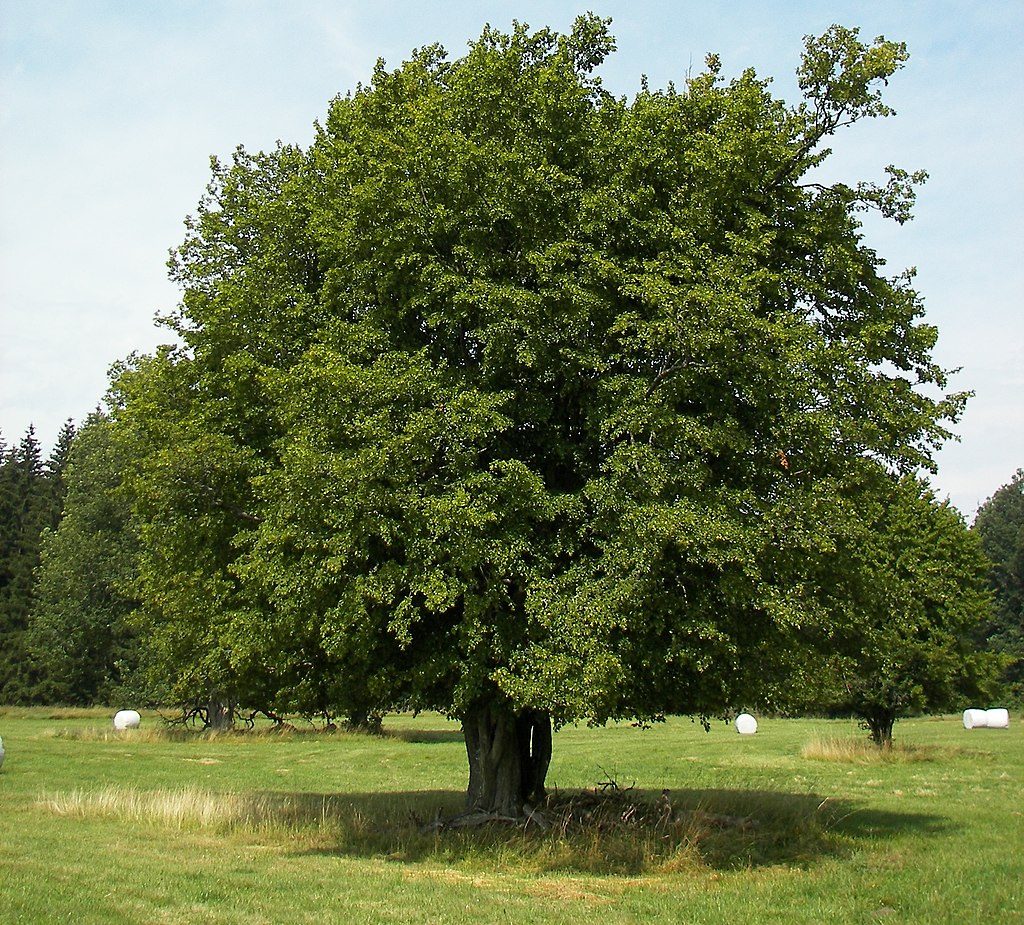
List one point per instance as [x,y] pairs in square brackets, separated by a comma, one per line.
[794,825]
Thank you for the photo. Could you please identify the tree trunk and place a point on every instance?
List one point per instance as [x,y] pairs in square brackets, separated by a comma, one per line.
[219,715]
[533,731]
[509,755]
[364,720]
[880,728]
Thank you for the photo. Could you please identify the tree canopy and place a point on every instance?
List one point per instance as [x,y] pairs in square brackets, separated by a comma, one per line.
[524,402]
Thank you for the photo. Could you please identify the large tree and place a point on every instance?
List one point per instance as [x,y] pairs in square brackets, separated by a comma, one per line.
[520,401]
[1000,526]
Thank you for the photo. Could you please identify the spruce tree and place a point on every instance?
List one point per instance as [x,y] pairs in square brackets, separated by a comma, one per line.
[31,500]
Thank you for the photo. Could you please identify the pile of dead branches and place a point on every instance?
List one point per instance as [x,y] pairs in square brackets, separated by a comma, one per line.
[608,809]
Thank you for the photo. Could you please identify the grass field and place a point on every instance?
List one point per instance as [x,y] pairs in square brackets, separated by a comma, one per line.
[797,824]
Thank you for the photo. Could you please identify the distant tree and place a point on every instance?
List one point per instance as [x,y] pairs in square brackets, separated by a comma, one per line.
[188,657]
[212,646]
[80,633]
[1000,526]
[13,581]
[903,592]
[55,469]
[524,402]
[31,501]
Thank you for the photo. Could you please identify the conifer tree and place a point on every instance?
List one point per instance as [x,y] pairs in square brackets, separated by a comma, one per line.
[31,502]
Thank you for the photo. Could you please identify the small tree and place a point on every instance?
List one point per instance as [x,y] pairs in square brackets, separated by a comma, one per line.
[902,594]
[999,525]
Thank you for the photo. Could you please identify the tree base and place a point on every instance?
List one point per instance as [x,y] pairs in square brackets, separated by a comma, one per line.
[509,754]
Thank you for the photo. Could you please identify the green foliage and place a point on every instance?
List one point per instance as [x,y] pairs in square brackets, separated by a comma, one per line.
[999,525]
[903,593]
[509,395]
[79,629]
[31,501]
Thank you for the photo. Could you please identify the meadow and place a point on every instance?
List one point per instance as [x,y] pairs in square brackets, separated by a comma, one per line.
[799,823]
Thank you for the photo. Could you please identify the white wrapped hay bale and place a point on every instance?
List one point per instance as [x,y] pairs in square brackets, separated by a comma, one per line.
[975,719]
[127,719]
[746,725]
[993,718]
[997,718]
[1,753]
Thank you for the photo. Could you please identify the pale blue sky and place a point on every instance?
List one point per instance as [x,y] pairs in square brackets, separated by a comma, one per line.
[110,110]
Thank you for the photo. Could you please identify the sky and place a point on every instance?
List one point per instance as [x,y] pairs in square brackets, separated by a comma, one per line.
[111,109]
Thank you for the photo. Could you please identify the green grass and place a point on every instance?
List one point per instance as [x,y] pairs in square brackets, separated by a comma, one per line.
[798,824]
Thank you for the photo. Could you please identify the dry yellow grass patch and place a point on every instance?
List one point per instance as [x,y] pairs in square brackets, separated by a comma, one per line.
[193,808]
[862,751]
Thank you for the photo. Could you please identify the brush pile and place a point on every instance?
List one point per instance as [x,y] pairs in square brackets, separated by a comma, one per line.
[608,809]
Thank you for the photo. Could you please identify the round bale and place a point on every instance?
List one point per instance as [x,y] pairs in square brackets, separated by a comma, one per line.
[746,725]
[127,719]
[997,718]
[975,719]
